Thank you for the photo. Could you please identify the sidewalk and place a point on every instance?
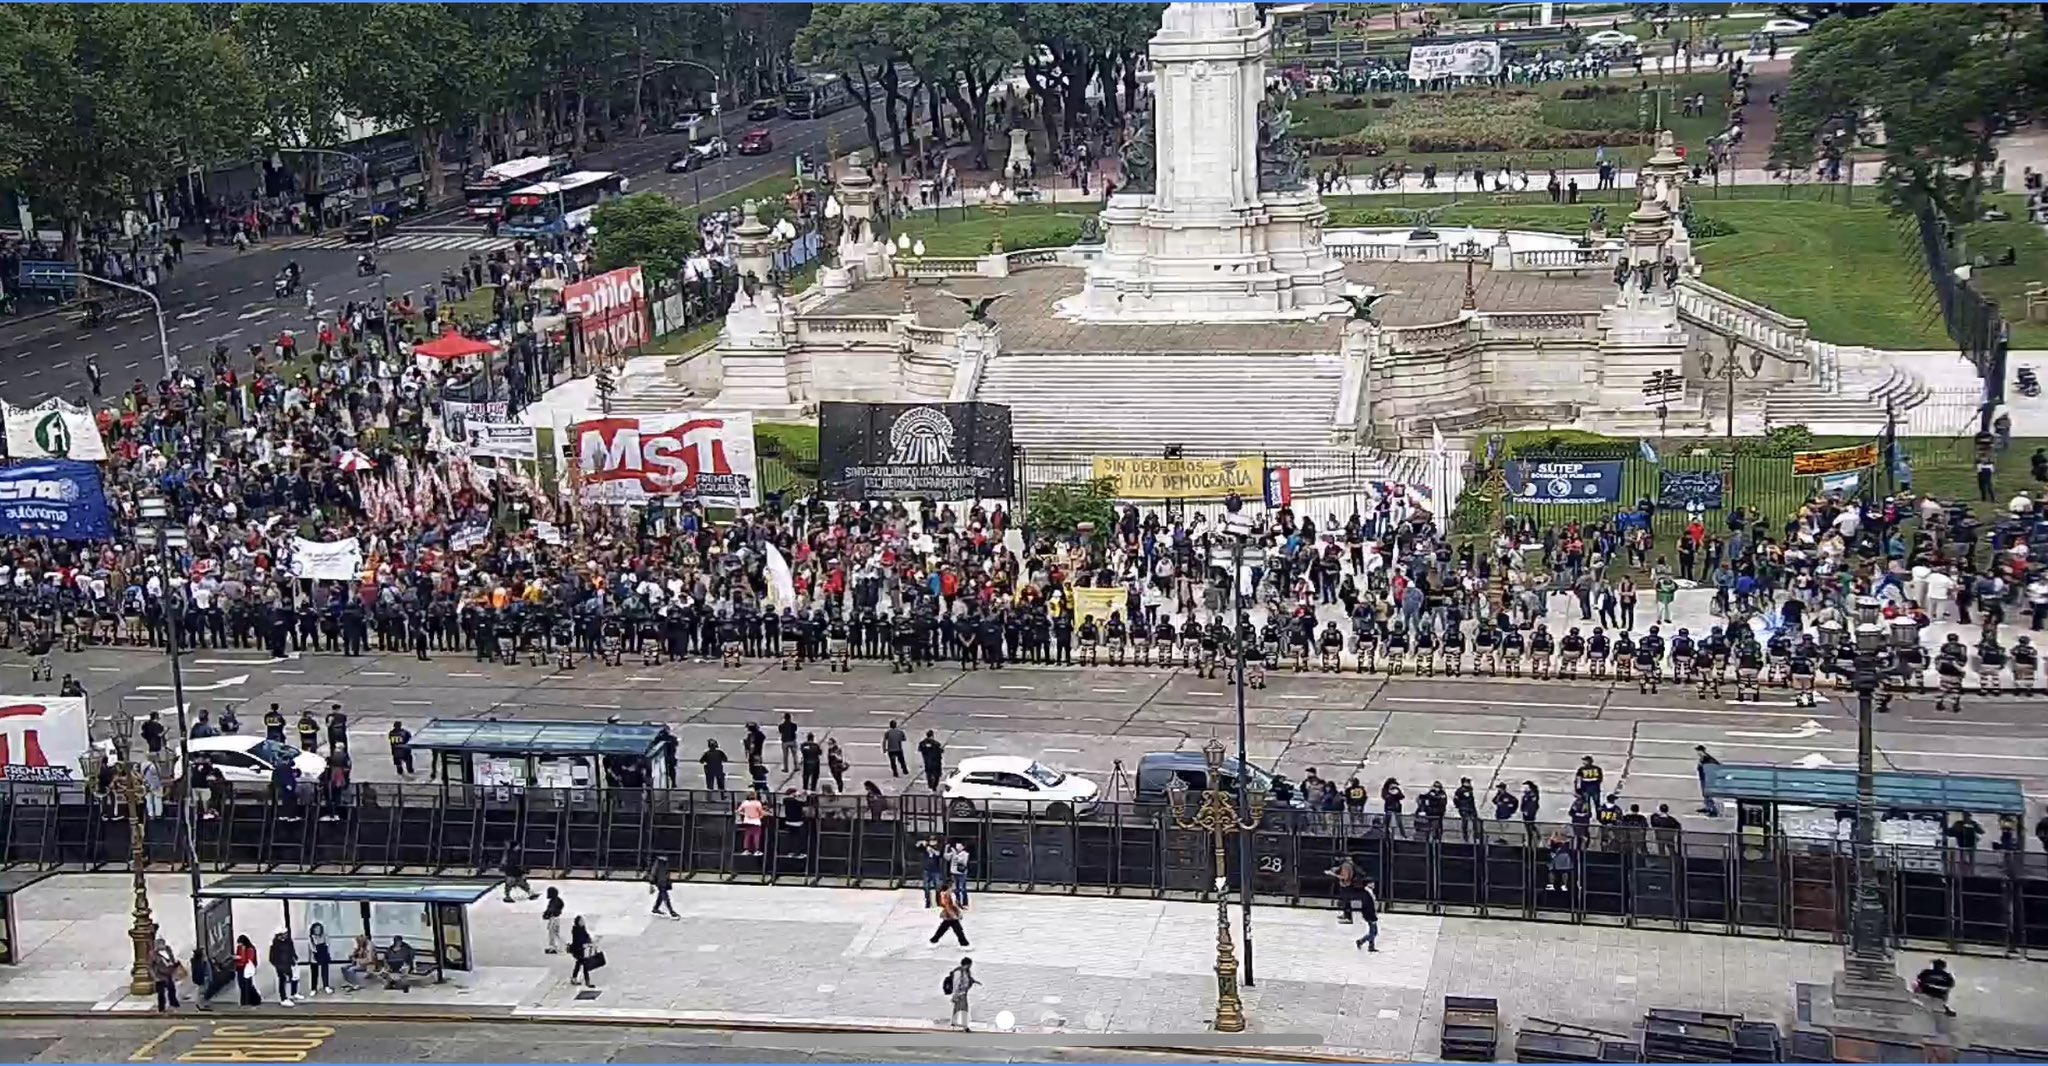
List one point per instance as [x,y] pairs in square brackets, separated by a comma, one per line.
[752,956]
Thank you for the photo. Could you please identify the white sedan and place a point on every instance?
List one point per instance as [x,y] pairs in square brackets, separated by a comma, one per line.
[248,757]
[1784,27]
[1611,39]
[1014,784]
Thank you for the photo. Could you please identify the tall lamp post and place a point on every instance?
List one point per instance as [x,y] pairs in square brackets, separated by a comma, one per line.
[1470,250]
[128,782]
[1732,370]
[1218,815]
[163,337]
[1868,959]
[1238,526]
[159,532]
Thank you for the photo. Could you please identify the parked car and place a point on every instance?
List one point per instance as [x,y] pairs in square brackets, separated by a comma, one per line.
[756,142]
[248,758]
[686,122]
[1012,784]
[762,110]
[363,229]
[1157,770]
[1784,26]
[1611,39]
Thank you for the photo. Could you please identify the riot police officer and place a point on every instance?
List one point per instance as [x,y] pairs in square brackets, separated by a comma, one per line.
[1649,662]
[1571,649]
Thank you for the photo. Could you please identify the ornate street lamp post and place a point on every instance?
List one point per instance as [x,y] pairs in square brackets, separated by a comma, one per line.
[1470,250]
[1731,369]
[128,786]
[1218,816]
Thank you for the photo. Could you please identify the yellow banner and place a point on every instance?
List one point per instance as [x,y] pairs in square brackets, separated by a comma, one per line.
[1835,460]
[1096,602]
[1182,479]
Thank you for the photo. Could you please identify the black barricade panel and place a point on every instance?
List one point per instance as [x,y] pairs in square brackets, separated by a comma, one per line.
[1820,885]
[1141,862]
[1922,911]
[713,839]
[1983,900]
[1187,861]
[1458,872]
[1758,896]
[882,852]
[1275,867]
[1095,853]
[2033,910]
[1654,888]
[1508,875]
[1410,877]
[837,835]
[1706,886]
[1603,879]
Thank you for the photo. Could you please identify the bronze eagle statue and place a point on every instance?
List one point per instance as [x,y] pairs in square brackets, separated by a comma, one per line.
[977,306]
[1361,306]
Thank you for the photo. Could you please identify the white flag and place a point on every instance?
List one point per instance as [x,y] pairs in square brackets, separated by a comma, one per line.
[53,429]
[781,583]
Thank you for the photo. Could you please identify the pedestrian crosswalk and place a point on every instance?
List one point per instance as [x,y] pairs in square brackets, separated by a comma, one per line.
[417,242]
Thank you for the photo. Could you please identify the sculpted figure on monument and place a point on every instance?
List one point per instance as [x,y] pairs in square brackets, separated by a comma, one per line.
[1140,161]
[1283,165]
[1091,230]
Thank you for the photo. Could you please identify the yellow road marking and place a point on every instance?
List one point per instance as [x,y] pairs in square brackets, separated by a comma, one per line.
[147,1052]
[254,1043]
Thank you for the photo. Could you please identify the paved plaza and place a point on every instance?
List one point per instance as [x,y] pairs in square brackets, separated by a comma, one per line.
[774,956]
[1083,720]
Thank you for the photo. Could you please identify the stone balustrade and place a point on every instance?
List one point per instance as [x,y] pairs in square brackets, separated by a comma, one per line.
[1033,257]
[1564,259]
[1724,312]
[1367,253]
[1576,323]
[939,266]
[845,329]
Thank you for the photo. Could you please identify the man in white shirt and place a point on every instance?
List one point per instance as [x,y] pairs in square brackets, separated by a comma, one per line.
[1940,594]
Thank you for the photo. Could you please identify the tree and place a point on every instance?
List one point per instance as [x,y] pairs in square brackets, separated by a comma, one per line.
[420,67]
[1060,508]
[965,51]
[647,230]
[859,43]
[1944,81]
[106,103]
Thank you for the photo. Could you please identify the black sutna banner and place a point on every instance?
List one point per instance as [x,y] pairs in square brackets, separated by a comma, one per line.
[945,451]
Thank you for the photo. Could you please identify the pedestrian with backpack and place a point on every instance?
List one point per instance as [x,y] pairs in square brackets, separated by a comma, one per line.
[957,985]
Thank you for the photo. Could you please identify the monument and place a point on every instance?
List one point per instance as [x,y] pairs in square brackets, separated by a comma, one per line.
[1215,222]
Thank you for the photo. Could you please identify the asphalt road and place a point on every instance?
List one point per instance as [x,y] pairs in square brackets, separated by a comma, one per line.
[1084,720]
[221,296]
[189,1038]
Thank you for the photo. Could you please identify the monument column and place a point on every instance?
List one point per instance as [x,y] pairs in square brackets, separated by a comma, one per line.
[1209,74]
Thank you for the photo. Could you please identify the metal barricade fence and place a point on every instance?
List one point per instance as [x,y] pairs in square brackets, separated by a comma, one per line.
[1749,885]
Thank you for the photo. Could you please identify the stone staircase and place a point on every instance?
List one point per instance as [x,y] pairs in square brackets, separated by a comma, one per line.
[653,395]
[1856,405]
[1138,402]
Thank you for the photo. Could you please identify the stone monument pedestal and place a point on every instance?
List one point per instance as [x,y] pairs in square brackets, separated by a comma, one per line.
[1871,1010]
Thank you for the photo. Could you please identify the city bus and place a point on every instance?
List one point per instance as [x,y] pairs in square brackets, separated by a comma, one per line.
[485,196]
[816,96]
[562,204]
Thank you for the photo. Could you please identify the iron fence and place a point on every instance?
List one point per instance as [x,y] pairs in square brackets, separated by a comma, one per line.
[1323,482]
[1973,320]
[1749,884]
[1760,485]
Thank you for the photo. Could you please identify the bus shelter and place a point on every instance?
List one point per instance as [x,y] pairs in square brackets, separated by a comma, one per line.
[1819,803]
[429,913]
[517,754]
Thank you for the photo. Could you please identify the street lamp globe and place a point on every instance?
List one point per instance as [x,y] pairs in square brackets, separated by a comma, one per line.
[1212,753]
[1177,792]
[903,241]
[917,248]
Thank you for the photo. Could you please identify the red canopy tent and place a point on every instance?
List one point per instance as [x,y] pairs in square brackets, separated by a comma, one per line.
[453,345]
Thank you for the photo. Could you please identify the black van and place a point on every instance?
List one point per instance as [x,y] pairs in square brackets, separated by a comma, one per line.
[1156,771]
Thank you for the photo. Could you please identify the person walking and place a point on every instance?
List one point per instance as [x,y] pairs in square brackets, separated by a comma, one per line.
[811,757]
[1368,900]
[1709,806]
[163,971]
[245,972]
[957,985]
[949,918]
[284,959]
[1935,982]
[713,760]
[892,746]
[515,874]
[551,916]
[583,948]
[658,882]
[934,754]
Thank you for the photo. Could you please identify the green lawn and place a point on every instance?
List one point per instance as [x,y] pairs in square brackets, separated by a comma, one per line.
[1852,271]
[1540,127]
[2008,284]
